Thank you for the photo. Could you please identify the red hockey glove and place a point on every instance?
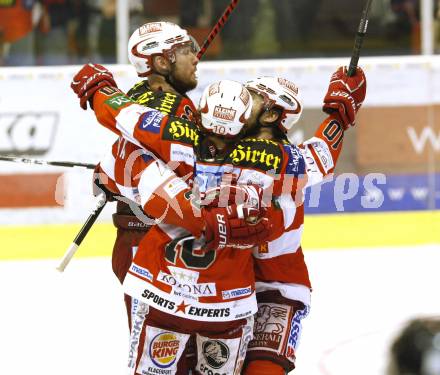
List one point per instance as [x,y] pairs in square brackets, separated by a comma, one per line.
[224,228]
[247,198]
[345,95]
[88,80]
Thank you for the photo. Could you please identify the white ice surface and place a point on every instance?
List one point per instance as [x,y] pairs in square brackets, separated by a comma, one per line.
[74,323]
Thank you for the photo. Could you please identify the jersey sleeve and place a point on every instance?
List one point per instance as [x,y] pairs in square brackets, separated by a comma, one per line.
[149,183]
[321,152]
[166,196]
[143,126]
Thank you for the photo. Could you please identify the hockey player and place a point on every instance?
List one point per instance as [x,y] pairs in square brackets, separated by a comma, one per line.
[164,55]
[316,153]
[168,67]
[282,281]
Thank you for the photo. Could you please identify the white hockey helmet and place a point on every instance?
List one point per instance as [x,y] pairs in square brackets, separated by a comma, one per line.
[225,106]
[154,39]
[282,94]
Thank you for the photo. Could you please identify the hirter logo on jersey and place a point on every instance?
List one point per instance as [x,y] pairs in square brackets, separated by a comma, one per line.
[164,348]
[182,131]
[223,113]
[258,154]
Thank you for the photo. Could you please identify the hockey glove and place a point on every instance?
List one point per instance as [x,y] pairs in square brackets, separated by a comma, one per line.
[345,95]
[225,228]
[88,80]
[247,198]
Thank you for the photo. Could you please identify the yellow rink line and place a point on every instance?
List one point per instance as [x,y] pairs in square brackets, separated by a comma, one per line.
[321,231]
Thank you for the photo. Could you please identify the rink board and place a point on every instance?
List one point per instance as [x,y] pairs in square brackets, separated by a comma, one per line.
[321,232]
[397,133]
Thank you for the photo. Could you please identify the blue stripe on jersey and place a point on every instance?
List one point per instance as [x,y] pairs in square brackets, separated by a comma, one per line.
[296,165]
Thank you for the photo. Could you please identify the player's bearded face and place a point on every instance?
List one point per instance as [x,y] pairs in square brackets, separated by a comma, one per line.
[183,73]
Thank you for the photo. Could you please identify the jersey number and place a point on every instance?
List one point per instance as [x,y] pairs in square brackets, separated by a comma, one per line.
[334,134]
[183,247]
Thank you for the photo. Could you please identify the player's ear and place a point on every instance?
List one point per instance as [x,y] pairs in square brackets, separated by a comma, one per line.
[269,117]
[161,65]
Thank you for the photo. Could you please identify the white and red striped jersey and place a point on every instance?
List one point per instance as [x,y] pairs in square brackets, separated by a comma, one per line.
[170,271]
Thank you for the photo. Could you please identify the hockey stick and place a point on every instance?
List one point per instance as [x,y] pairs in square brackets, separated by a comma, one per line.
[217,27]
[44,162]
[100,204]
[359,39]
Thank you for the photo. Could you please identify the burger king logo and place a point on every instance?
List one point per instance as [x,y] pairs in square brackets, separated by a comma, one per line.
[163,349]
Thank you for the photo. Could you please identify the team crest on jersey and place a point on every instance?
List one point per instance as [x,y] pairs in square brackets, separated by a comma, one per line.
[164,348]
